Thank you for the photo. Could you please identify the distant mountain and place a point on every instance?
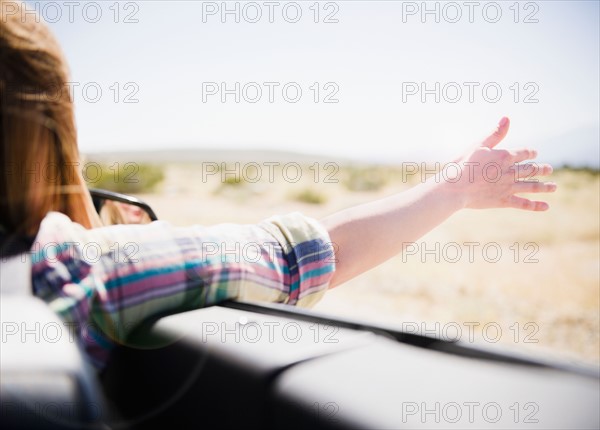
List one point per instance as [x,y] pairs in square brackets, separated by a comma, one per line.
[192,155]
[576,148]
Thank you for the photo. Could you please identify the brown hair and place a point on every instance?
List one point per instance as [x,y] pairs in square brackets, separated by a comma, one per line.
[39,158]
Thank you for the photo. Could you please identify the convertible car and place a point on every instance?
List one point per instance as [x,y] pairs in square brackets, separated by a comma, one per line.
[250,365]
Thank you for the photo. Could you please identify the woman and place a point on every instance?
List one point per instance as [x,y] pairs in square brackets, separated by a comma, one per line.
[136,272]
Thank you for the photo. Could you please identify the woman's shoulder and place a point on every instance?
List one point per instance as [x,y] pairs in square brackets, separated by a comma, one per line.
[57,227]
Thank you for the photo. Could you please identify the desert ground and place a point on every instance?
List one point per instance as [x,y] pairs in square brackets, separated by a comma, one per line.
[527,282]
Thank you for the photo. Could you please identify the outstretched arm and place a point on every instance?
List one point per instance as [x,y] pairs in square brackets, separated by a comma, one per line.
[367,235]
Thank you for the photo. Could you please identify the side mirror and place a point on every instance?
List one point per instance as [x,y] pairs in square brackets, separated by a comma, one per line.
[116,208]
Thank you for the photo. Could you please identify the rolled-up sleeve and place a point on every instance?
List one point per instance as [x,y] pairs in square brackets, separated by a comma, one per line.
[107,281]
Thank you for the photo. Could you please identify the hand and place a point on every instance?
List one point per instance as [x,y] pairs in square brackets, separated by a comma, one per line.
[490,178]
[369,234]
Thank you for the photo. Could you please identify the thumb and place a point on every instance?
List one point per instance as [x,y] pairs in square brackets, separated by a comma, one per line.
[496,137]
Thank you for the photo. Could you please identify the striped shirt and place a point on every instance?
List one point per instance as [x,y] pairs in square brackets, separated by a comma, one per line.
[104,282]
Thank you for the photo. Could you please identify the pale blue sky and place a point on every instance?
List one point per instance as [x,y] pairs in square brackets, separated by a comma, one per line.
[368,54]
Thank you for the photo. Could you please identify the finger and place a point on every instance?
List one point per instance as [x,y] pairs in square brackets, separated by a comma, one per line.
[496,137]
[519,155]
[526,204]
[535,187]
[529,170]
